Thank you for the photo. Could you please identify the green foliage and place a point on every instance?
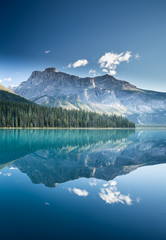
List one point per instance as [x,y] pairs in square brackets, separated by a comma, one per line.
[7,96]
[19,114]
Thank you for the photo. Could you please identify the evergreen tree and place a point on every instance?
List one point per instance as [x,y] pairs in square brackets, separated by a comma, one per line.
[17,114]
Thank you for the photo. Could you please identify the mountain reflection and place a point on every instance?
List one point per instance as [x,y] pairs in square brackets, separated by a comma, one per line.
[15,144]
[56,156]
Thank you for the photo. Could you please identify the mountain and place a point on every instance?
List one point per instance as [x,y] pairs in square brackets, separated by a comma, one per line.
[58,156]
[7,95]
[102,94]
[103,159]
[31,140]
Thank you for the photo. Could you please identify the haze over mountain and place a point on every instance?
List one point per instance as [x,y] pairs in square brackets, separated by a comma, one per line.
[102,94]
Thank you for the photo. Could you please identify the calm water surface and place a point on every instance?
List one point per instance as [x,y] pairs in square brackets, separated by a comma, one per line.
[82,184]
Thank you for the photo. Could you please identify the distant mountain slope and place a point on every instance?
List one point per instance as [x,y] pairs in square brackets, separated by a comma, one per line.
[8,95]
[103,94]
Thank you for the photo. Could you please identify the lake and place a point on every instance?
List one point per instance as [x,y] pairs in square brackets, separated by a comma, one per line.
[83,184]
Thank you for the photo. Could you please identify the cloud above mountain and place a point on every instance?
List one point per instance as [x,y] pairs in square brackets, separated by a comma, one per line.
[93,72]
[79,63]
[9,79]
[109,61]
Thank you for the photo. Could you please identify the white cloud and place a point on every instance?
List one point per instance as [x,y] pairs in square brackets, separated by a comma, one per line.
[112,72]
[69,65]
[137,56]
[79,63]
[93,72]
[9,79]
[105,70]
[109,61]
[79,192]
[47,51]
[110,194]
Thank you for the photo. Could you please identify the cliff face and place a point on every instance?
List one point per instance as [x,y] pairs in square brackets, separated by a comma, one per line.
[103,94]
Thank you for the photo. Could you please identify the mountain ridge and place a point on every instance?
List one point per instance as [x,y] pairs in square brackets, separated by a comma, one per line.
[101,94]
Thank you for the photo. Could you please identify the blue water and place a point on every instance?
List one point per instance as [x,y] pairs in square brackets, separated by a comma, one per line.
[82,184]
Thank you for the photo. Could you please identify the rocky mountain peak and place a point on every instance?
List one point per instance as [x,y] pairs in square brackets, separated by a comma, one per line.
[51,69]
[108,76]
[34,74]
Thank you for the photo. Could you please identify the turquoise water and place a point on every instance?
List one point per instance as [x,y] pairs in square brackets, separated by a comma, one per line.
[82,184]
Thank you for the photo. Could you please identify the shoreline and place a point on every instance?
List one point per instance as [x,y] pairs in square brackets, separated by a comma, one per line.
[81,128]
[52,128]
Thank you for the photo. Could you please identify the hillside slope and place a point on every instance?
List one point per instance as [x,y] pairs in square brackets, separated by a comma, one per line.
[8,95]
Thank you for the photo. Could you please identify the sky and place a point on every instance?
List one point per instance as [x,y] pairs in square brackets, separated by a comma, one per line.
[123,38]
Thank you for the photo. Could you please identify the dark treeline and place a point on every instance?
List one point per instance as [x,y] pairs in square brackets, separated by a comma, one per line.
[14,114]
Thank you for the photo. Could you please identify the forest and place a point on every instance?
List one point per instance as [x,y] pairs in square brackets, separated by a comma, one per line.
[29,115]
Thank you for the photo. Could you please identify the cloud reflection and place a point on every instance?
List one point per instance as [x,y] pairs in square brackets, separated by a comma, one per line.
[93,183]
[111,195]
[79,192]
[7,174]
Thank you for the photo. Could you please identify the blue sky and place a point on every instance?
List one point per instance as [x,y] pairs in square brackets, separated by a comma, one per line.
[125,38]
